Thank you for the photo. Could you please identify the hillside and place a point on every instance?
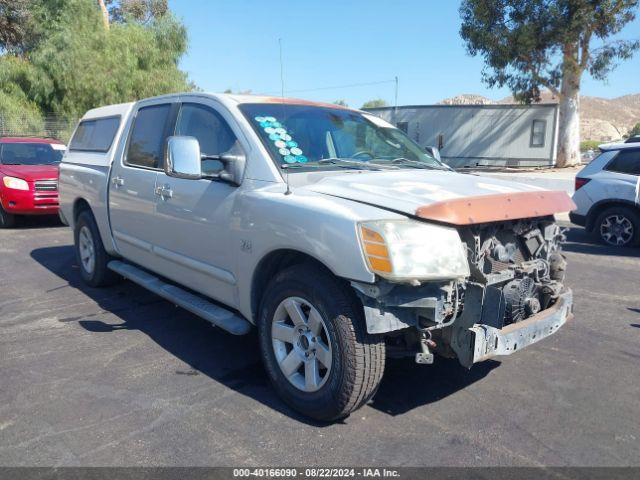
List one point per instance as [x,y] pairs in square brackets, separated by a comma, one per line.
[601,119]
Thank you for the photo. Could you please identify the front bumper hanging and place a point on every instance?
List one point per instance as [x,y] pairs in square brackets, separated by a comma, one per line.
[490,341]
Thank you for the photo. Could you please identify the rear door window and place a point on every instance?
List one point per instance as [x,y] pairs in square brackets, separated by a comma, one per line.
[95,135]
[626,161]
[146,143]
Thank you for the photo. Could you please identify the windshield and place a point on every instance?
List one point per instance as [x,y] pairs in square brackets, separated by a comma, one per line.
[305,136]
[30,154]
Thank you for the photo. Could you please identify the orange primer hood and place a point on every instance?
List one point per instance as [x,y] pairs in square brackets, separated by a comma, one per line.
[498,207]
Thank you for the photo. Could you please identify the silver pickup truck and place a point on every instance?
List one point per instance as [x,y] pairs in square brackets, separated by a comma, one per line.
[326,228]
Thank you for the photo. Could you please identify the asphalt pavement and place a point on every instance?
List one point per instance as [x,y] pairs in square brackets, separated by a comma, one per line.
[120,377]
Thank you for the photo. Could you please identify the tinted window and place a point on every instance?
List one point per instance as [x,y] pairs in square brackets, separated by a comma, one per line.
[146,144]
[30,154]
[95,135]
[626,161]
[211,130]
[538,129]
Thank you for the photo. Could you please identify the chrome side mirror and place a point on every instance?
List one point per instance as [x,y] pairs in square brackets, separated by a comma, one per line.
[183,158]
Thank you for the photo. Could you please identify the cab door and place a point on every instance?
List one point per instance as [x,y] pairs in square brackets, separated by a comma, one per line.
[132,192]
[196,243]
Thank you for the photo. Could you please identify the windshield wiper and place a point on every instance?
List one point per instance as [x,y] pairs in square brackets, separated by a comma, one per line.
[339,162]
[357,163]
[419,164]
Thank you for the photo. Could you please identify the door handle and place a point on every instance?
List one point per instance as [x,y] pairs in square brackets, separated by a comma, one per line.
[164,191]
[117,181]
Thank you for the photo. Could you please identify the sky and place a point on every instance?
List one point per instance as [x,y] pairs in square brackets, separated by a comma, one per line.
[357,45]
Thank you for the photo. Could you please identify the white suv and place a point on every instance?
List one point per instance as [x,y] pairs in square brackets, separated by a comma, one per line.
[607,195]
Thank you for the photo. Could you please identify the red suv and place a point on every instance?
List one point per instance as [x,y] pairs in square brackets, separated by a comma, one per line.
[28,177]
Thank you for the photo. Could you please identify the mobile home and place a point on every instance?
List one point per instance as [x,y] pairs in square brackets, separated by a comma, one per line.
[482,135]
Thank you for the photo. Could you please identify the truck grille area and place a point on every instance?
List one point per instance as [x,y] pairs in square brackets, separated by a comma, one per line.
[518,264]
[46,185]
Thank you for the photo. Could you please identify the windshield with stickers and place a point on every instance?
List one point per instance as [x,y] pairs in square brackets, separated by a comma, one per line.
[303,136]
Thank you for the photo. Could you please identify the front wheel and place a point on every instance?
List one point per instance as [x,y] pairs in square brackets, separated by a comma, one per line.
[315,346]
[7,220]
[618,226]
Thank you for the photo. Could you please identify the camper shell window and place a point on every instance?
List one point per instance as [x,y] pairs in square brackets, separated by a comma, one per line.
[95,135]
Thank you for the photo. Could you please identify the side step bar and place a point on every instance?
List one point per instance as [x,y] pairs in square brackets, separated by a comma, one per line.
[211,312]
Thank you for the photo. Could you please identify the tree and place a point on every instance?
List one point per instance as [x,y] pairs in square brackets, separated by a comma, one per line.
[142,11]
[14,24]
[635,130]
[342,103]
[71,63]
[376,103]
[528,45]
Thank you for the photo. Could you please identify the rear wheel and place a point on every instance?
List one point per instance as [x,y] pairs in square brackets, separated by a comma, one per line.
[7,220]
[90,253]
[618,226]
[315,346]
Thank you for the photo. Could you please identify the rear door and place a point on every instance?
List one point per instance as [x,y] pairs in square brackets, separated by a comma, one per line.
[197,219]
[132,197]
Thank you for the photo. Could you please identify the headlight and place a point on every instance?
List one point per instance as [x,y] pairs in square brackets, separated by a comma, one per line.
[408,250]
[15,183]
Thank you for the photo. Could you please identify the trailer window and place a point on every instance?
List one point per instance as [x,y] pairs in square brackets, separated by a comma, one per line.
[95,135]
[538,132]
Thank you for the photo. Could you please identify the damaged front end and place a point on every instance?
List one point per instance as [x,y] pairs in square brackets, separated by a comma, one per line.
[513,297]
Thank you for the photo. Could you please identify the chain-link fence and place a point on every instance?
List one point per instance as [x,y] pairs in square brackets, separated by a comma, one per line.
[50,126]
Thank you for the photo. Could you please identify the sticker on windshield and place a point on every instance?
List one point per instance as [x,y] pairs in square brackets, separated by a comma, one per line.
[277,133]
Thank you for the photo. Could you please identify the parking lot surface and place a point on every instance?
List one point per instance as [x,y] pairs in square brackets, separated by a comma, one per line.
[118,376]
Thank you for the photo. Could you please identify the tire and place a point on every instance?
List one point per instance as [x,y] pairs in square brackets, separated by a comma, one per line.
[88,242]
[356,358]
[7,220]
[618,226]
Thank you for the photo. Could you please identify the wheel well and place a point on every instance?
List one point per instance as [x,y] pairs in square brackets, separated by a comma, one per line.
[598,208]
[79,206]
[270,266]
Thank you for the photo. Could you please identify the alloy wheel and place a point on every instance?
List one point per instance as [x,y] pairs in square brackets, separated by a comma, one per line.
[616,230]
[301,344]
[87,249]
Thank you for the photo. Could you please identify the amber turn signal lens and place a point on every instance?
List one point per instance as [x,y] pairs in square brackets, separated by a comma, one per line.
[376,251]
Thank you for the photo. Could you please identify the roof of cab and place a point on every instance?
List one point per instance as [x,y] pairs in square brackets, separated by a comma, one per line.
[280,100]
[617,146]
